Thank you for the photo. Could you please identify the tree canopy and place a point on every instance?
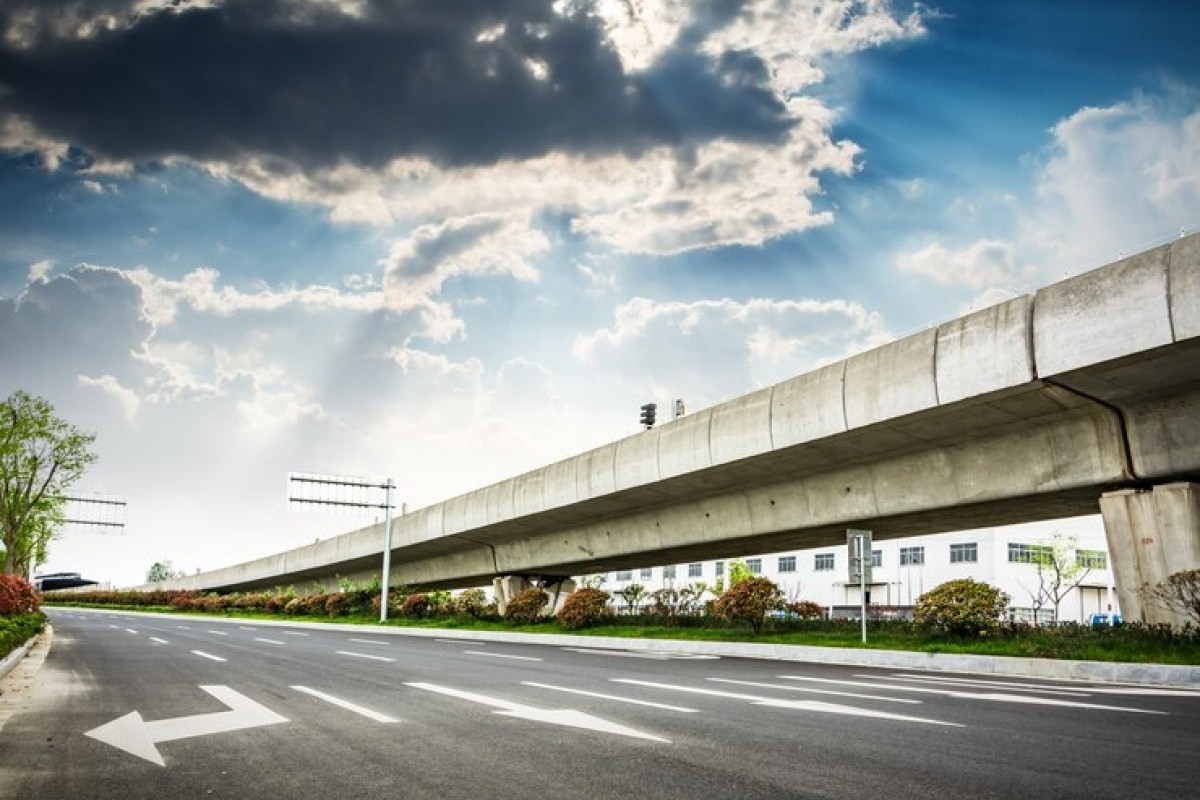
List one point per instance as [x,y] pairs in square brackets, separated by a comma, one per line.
[40,456]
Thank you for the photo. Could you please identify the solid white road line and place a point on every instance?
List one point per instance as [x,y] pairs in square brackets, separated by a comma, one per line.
[969,683]
[346,704]
[664,706]
[817,706]
[500,655]
[364,655]
[203,654]
[817,691]
[994,697]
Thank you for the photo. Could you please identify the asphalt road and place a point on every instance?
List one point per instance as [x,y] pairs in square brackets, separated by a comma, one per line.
[250,710]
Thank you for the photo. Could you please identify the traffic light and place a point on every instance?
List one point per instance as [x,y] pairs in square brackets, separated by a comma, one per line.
[647,417]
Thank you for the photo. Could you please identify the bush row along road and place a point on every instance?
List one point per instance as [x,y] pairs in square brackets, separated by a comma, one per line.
[135,707]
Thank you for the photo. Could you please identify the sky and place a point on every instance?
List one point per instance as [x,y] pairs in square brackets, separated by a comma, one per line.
[449,242]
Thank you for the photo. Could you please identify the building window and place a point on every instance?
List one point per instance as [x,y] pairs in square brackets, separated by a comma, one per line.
[1029,553]
[967,553]
[787,563]
[754,565]
[647,573]
[823,562]
[876,558]
[719,568]
[912,556]
[695,570]
[669,572]
[624,575]
[1091,559]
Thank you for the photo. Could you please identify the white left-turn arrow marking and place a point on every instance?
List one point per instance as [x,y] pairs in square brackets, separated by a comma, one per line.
[134,735]
[566,716]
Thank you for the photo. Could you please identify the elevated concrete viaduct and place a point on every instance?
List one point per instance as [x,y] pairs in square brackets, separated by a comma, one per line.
[1082,397]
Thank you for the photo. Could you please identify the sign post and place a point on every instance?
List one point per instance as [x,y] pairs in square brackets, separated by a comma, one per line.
[858,545]
[346,492]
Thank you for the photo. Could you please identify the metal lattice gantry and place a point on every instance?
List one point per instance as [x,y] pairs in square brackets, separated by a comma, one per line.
[313,490]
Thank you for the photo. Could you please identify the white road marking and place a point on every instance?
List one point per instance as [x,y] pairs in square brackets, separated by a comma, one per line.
[680,709]
[1137,691]
[219,633]
[160,641]
[246,628]
[131,630]
[134,735]
[183,627]
[203,654]
[970,682]
[461,641]
[267,641]
[799,705]
[993,697]
[817,691]
[618,653]
[346,704]
[566,717]
[113,626]
[364,655]
[371,641]
[293,633]
[500,655]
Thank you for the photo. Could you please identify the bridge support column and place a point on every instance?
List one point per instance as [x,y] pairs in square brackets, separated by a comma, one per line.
[1151,535]
[506,587]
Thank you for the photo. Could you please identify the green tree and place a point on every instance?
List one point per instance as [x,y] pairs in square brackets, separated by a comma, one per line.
[161,571]
[40,456]
[1059,570]
[739,571]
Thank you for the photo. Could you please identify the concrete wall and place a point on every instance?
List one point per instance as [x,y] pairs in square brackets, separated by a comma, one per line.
[1034,406]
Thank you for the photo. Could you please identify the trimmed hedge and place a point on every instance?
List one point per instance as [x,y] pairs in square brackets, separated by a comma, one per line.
[15,630]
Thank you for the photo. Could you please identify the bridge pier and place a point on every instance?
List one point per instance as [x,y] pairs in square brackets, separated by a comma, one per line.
[505,587]
[1152,534]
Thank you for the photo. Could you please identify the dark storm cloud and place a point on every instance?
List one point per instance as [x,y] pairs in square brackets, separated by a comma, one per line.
[260,78]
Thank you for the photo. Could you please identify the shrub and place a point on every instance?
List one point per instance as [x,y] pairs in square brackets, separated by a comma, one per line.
[960,608]
[17,596]
[806,609]
[337,605]
[1180,593]
[416,605]
[16,629]
[749,601]
[526,606]
[584,607]
[295,606]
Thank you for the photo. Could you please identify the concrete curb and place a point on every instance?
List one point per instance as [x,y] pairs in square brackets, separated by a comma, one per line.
[1180,676]
[12,659]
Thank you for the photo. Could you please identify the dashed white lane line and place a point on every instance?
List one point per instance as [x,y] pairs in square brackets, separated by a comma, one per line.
[203,654]
[293,633]
[183,627]
[219,633]
[371,641]
[500,655]
[246,628]
[664,706]
[131,630]
[267,641]
[461,641]
[365,655]
[346,704]
[160,641]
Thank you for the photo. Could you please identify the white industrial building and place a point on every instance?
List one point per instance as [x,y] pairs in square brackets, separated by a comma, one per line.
[905,568]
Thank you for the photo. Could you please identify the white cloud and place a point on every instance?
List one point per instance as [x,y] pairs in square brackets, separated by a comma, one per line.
[709,351]
[1112,181]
